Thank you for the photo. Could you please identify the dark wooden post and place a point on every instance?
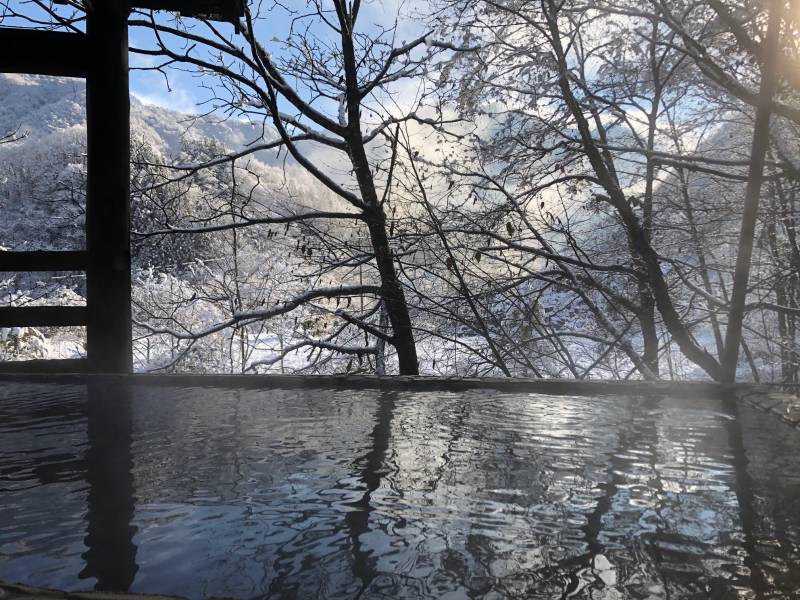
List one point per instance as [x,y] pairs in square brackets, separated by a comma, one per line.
[101,56]
[108,273]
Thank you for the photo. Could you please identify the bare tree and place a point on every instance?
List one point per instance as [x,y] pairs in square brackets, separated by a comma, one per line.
[582,97]
[12,136]
[326,85]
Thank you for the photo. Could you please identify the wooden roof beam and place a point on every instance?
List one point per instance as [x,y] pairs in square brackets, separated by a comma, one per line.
[216,10]
[57,53]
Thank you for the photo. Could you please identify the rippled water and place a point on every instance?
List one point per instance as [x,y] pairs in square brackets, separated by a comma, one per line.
[332,494]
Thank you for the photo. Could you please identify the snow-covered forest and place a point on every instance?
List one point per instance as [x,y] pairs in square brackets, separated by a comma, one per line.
[452,187]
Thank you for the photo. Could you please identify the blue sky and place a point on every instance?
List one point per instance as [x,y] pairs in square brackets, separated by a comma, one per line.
[150,87]
[184,92]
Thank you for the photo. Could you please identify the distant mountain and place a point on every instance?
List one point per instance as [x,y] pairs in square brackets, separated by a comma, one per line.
[40,105]
[42,177]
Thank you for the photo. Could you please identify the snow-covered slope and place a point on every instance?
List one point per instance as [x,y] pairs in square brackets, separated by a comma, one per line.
[41,105]
[42,176]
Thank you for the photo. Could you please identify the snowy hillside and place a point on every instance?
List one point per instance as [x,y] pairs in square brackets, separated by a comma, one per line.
[41,105]
[42,177]
[42,199]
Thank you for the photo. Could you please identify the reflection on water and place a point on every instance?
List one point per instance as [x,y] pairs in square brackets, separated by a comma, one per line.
[110,555]
[321,493]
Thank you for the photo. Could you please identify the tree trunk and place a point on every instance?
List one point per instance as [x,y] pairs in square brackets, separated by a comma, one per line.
[647,321]
[758,153]
[702,264]
[393,296]
[391,289]
[380,343]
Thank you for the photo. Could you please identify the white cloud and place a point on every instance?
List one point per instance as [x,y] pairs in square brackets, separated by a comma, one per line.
[178,99]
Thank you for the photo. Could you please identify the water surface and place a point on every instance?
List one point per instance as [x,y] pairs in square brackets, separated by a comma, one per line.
[365,494]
